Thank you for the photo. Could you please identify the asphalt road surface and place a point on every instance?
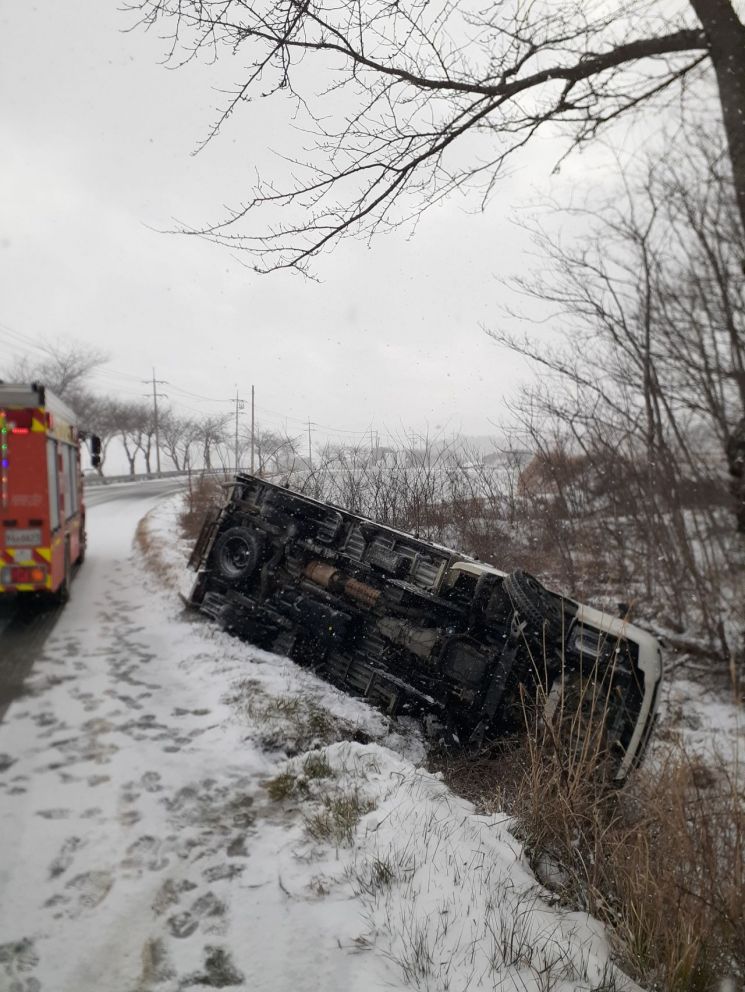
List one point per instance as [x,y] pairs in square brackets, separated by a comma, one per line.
[26,625]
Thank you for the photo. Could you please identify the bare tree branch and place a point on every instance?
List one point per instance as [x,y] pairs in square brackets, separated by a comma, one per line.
[402,84]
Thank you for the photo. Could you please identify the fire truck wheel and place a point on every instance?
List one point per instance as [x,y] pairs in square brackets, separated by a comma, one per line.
[236,553]
[83,542]
[62,594]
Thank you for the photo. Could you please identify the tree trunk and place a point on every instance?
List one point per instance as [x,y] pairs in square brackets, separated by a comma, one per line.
[725,33]
[130,456]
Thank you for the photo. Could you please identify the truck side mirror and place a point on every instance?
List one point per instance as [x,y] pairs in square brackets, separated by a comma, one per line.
[95,451]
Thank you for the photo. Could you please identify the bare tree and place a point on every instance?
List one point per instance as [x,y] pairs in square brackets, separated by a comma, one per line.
[658,280]
[177,435]
[633,417]
[274,451]
[211,434]
[133,425]
[99,415]
[64,368]
[412,85]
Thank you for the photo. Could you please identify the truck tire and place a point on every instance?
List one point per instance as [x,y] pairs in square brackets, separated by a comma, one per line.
[83,544]
[61,595]
[236,553]
[543,617]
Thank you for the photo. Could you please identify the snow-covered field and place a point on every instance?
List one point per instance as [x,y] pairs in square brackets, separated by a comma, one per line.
[177,811]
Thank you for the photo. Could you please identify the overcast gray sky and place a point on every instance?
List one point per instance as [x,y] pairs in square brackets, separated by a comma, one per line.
[96,158]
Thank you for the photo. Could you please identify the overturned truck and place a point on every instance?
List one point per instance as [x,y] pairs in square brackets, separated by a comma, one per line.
[419,629]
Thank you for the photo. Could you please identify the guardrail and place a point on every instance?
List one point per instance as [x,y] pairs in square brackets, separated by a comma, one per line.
[105,480]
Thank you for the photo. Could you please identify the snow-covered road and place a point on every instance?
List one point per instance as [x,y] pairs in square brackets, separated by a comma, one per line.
[108,799]
[140,850]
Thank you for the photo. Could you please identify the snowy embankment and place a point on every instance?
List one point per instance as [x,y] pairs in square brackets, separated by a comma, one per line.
[180,810]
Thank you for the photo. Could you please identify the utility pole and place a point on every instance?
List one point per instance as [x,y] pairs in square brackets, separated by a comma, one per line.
[310,449]
[239,405]
[252,429]
[156,394]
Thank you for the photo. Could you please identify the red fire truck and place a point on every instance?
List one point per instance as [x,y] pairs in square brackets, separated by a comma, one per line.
[42,514]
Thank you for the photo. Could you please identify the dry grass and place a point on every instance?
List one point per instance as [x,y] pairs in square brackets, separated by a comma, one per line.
[660,862]
[335,811]
[151,549]
[337,818]
[289,723]
[289,783]
[282,786]
[204,492]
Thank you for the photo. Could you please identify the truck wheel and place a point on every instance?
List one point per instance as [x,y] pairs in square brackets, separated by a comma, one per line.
[83,543]
[236,553]
[543,617]
[62,593]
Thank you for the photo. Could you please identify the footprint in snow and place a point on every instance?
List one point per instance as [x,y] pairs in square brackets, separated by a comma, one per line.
[16,960]
[46,719]
[207,908]
[85,891]
[129,794]
[150,782]
[223,872]
[156,966]
[219,971]
[237,847]
[53,814]
[147,852]
[65,857]
[169,894]
[18,955]
[129,817]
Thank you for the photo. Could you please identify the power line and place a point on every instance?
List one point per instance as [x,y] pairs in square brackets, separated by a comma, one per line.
[18,339]
[198,396]
[109,373]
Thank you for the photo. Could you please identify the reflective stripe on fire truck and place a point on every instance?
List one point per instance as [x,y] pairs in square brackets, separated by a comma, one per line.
[38,422]
[26,556]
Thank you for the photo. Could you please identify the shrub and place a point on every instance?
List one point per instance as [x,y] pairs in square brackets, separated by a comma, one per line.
[660,862]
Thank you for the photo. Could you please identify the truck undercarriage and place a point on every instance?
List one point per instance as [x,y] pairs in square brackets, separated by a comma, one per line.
[419,629]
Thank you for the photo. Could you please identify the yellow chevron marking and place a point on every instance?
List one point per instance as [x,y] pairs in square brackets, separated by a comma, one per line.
[45,553]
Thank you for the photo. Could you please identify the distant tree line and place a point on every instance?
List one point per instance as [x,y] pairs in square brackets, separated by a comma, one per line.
[200,442]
